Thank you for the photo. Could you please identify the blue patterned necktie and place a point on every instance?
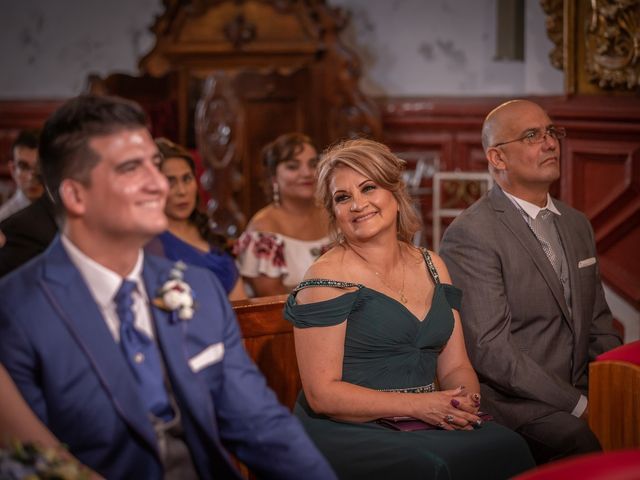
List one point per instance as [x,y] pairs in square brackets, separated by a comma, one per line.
[142,355]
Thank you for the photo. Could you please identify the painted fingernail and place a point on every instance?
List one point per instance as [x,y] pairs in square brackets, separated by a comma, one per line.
[455,403]
[476,397]
[477,404]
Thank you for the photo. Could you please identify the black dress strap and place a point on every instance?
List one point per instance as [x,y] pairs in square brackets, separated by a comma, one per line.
[323,282]
[430,266]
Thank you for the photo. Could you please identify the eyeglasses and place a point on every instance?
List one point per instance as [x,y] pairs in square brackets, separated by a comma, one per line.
[538,135]
[25,168]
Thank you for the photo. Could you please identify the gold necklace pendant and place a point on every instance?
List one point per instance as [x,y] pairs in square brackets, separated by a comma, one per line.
[400,292]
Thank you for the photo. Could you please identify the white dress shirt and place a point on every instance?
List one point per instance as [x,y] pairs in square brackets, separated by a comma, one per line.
[532,209]
[104,284]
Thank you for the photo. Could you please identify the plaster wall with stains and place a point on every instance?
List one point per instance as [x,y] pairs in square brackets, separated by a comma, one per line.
[407,47]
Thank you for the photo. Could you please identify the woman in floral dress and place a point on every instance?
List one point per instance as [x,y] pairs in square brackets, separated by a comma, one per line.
[285,237]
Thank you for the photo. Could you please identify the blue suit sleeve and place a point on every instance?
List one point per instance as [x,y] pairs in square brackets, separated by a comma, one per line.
[18,357]
[261,432]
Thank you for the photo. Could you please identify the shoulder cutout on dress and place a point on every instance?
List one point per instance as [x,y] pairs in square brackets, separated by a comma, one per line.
[322,282]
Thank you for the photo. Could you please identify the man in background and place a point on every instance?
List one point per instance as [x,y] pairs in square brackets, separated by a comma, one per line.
[533,310]
[30,224]
[26,233]
[24,171]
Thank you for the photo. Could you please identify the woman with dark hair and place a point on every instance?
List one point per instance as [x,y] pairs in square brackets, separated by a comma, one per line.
[287,235]
[379,340]
[189,237]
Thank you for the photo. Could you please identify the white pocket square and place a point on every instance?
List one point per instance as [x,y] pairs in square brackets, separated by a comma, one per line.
[211,354]
[586,262]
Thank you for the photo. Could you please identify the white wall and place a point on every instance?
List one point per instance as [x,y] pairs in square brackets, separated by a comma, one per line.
[47,48]
[408,47]
[625,313]
[447,47]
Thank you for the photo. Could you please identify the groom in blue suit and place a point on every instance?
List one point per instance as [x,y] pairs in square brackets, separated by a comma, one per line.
[136,364]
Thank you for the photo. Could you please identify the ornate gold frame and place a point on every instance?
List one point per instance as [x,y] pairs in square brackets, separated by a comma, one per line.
[598,46]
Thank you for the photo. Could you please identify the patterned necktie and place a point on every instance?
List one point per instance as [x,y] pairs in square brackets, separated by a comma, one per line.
[545,231]
[142,355]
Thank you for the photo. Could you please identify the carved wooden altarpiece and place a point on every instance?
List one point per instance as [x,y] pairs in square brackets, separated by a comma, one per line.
[227,76]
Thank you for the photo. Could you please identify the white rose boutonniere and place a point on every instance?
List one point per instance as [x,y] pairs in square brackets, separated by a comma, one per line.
[176,295]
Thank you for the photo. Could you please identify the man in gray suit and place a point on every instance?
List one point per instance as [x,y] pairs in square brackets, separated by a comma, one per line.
[533,310]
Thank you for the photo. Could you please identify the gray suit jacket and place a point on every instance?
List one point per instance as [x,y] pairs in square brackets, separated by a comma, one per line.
[531,355]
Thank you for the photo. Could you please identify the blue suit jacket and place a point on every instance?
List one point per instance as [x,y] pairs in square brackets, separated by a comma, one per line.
[59,351]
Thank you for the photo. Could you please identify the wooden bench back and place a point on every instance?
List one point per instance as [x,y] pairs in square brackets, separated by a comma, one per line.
[268,338]
[614,403]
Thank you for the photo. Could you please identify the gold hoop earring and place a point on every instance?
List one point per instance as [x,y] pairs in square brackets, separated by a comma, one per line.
[276,194]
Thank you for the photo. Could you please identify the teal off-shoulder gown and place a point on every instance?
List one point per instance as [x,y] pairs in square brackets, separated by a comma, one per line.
[388,348]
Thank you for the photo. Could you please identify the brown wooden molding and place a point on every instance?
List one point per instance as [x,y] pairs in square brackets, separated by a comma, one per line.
[215,33]
[601,177]
[26,113]
[555,25]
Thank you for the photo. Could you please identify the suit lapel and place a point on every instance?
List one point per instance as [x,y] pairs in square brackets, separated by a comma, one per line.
[170,336]
[571,256]
[75,305]
[512,219]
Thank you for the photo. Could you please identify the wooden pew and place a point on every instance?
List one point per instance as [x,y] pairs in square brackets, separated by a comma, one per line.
[614,397]
[268,338]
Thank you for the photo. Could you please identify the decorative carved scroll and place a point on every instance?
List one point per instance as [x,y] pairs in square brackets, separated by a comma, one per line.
[554,22]
[596,43]
[218,124]
[613,44]
[352,114]
[240,31]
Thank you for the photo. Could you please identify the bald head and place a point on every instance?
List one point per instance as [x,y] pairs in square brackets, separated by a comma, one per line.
[523,150]
[499,125]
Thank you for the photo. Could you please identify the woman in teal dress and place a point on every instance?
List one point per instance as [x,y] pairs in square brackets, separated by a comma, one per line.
[378,335]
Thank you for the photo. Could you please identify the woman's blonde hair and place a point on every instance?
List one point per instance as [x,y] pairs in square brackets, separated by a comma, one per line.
[375,161]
